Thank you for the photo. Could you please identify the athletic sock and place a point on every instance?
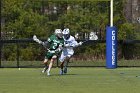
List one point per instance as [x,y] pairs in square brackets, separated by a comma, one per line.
[48,70]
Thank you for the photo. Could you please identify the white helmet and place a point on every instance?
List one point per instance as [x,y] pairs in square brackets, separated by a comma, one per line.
[58,33]
[66,33]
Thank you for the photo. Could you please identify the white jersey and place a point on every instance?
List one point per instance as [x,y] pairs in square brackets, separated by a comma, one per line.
[68,51]
[71,43]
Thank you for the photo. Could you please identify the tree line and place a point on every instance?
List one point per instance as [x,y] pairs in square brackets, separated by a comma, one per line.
[24,18]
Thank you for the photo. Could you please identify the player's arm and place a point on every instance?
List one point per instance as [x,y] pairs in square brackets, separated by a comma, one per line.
[47,43]
[60,47]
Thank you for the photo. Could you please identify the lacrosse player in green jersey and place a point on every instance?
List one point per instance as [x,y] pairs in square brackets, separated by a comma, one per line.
[54,46]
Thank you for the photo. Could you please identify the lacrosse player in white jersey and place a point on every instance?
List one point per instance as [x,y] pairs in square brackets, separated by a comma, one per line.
[67,52]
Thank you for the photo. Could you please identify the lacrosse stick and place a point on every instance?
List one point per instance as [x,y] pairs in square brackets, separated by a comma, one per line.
[45,44]
[86,41]
[37,40]
[92,37]
[40,42]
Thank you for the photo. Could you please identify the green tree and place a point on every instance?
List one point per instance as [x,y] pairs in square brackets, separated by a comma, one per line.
[22,20]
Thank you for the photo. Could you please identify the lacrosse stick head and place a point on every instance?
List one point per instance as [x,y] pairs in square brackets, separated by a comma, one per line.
[34,38]
[37,40]
[93,36]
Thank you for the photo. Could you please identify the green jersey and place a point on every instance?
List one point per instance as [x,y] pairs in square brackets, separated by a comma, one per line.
[55,42]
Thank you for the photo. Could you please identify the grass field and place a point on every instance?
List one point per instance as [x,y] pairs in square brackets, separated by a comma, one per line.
[78,80]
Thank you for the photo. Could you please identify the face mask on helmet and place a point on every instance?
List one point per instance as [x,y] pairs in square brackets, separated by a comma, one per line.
[66,36]
[58,33]
[66,33]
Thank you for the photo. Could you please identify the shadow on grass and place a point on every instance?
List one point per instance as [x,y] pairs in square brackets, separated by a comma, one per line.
[45,74]
[64,75]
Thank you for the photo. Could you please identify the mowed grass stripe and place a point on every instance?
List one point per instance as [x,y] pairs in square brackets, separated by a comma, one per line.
[78,80]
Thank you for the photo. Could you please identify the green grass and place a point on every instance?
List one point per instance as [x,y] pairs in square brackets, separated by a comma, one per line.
[78,80]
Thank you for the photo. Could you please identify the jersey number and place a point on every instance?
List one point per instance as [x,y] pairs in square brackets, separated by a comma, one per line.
[54,46]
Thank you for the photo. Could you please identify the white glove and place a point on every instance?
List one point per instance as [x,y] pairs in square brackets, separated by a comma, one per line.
[51,51]
[67,45]
[80,43]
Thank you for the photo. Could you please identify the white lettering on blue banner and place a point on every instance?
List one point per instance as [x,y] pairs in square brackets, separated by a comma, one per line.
[113,47]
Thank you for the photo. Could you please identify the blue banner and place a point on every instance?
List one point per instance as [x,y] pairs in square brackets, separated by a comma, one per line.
[111,47]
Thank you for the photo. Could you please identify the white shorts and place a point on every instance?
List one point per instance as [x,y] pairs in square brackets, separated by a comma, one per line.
[64,55]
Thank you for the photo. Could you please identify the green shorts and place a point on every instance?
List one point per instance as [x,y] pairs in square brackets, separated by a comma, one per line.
[49,55]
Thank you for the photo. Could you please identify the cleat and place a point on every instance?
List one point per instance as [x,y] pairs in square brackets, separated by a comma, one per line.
[65,70]
[61,72]
[44,70]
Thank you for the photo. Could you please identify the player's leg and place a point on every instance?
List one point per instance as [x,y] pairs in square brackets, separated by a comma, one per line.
[45,62]
[61,59]
[48,57]
[66,63]
[51,64]
[61,68]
